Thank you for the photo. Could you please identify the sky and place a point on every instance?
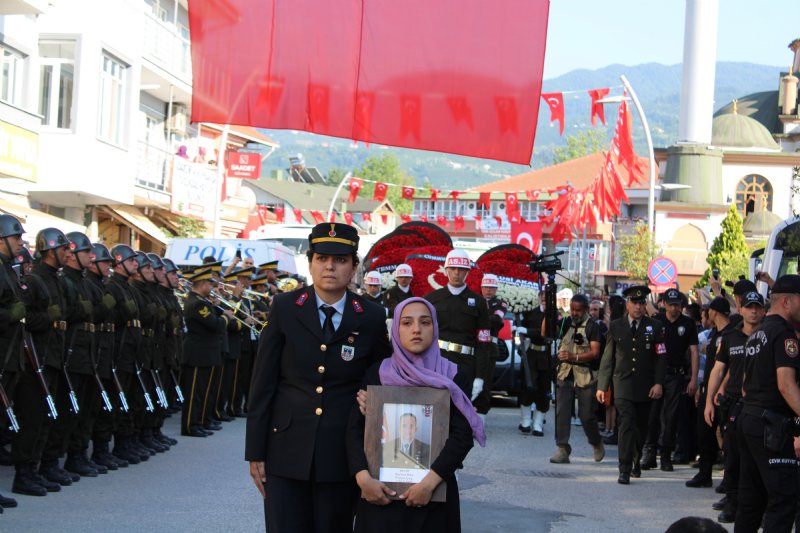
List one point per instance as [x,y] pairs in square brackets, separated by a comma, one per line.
[593,34]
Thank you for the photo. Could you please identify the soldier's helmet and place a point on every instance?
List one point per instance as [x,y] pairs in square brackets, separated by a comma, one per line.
[23,256]
[142,261]
[79,242]
[10,226]
[170,266]
[100,253]
[50,239]
[155,261]
[121,253]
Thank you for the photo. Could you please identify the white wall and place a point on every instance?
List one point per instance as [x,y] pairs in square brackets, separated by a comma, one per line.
[780,177]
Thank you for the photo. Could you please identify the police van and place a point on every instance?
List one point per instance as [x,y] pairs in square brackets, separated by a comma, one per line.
[190,252]
[780,256]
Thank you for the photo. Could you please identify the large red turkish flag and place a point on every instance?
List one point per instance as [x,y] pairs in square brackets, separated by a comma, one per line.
[528,234]
[458,76]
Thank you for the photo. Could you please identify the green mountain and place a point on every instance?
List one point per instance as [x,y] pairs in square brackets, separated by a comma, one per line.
[657,87]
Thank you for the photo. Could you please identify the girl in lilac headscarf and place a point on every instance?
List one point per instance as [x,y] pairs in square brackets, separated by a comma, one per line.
[416,362]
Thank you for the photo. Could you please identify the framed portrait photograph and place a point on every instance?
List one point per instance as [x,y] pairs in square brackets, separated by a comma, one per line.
[406,428]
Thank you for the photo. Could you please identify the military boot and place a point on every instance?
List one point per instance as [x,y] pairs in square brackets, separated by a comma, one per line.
[649,459]
[538,421]
[147,440]
[121,451]
[168,441]
[7,502]
[77,463]
[26,483]
[50,470]
[101,456]
[666,461]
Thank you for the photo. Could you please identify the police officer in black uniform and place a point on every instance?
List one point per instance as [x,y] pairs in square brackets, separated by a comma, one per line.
[403,275]
[770,417]
[634,359]
[683,360]
[315,348]
[729,369]
[464,335]
[537,373]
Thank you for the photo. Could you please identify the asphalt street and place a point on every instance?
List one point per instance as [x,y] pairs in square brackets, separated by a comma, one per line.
[509,486]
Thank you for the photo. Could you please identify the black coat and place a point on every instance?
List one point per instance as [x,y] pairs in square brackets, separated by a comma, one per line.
[10,332]
[126,336]
[202,345]
[45,289]
[394,296]
[303,388]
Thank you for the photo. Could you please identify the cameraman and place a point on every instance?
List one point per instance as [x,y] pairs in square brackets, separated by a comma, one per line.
[580,348]
[768,469]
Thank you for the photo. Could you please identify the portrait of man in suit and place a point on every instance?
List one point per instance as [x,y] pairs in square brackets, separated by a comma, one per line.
[408,450]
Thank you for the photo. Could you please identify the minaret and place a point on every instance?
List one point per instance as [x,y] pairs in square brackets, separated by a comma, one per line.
[692,161]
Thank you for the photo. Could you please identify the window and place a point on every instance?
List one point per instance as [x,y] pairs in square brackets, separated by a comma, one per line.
[111,115]
[11,75]
[56,82]
[753,193]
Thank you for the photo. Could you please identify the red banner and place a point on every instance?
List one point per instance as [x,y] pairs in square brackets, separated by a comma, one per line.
[317,216]
[443,90]
[366,217]
[597,108]
[441,220]
[408,193]
[298,215]
[262,214]
[279,214]
[380,192]
[527,234]
[459,222]
[556,103]
[355,187]
[244,165]
[348,217]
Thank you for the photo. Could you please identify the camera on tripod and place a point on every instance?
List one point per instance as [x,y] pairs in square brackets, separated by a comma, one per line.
[546,263]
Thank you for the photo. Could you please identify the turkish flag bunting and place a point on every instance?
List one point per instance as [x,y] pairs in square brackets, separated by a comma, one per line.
[624,139]
[532,195]
[423,218]
[484,200]
[408,193]
[355,188]
[478,219]
[279,214]
[262,214]
[435,194]
[385,219]
[318,218]
[380,192]
[441,220]
[405,218]
[443,90]
[499,221]
[556,103]
[454,195]
[332,218]
[459,222]
[366,217]
[348,217]
[512,204]
[597,108]
[298,215]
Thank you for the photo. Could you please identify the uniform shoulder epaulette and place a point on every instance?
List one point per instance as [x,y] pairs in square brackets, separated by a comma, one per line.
[357,306]
[301,299]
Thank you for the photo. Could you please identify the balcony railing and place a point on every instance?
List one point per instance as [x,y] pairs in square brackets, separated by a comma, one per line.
[168,49]
[152,170]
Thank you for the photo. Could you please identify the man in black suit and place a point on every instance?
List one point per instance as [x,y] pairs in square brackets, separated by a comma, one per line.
[635,357]
[315,347]
[407,450]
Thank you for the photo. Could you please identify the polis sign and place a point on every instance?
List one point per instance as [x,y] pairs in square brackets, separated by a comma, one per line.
[244,165]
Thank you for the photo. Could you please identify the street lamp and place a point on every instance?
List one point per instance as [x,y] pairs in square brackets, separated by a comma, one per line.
[651,196]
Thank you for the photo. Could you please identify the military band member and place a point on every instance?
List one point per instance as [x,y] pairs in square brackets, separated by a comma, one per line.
[270,269]
[210,422]
[403,275]
[315,348]
[634,359]
[464,335]
[201,350]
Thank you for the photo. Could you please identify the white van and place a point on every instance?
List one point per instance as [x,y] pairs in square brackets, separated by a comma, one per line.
[190,252]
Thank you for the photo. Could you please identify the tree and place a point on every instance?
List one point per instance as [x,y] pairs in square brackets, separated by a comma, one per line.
[729,251]
[335,176]
[187,228]
[386,168]
[637,250]
[583,143]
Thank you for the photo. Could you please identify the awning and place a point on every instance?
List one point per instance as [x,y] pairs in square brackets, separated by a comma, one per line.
[136,220]
[34,220]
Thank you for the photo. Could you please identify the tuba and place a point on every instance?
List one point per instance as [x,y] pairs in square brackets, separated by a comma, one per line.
[287,284]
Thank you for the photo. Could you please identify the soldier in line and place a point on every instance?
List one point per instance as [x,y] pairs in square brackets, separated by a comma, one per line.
[173,353]
[497,315]
[202,347]
[575,378]
[464,335]
[403,275]
[537,371]
[17,378]
[372,287]
[127,338]
[46,320]
[634,359]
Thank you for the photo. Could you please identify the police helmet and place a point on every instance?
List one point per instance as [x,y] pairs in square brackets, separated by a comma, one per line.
[50,239]
[121,253]
[142,261]
[101,253]
[10,226]
[23,256]
[79,242]
[155,261]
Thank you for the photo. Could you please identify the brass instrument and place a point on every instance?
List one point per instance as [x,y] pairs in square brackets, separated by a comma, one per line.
[287,284]
[237,308]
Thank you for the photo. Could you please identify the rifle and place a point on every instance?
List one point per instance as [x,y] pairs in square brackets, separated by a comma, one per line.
[178,390]
[12,418]
[103,394]
[123,401]
[73,398]
[33,360]
[146,393]
[161,398]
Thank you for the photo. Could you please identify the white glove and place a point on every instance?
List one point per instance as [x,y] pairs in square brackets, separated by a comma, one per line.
[522,331]
[477,388]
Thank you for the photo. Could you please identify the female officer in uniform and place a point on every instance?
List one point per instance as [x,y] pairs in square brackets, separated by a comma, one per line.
[315,348]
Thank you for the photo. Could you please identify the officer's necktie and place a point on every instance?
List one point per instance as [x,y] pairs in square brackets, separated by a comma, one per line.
[327,328]
[633,328]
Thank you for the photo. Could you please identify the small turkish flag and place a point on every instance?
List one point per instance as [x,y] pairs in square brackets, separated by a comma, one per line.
[532,194]
[597,108]
[279,214]
[298,215]
[332,218]
[355,188]
[262,214]
[460,110]
[441,220]
[319,97]
[408,193]
[512,205]
[484,200]
[318,218]
[478,219]
[454,195]
[423,218]
[410,116]
[380,192]
[506,108]
[405,218]
[435,194]
[556,103]
[365,105]
[348,217]
[499,221]
[459,222]
[366,217]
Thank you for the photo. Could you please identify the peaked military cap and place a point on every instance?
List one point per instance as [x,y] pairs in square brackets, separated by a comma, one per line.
[201,274]
[269,265]
[636,293]
[333,238]
[214,267]
[244,272]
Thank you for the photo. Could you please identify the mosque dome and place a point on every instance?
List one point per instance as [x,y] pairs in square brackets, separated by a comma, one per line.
[760,223]
[731,130]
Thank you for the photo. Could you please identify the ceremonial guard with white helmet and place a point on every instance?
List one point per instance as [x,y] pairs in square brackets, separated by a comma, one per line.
[403,275]
[372,287]
[464,328]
